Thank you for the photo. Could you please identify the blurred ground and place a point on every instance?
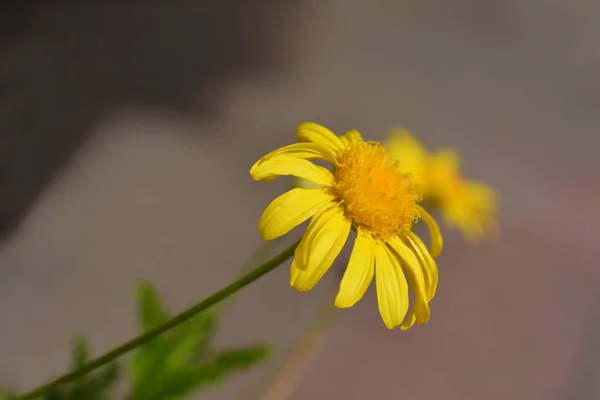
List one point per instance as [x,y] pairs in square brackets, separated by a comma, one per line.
[64,66]
[162,194]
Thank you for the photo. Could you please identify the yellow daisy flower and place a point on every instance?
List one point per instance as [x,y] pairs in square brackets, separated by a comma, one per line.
[467,205]
[366,193]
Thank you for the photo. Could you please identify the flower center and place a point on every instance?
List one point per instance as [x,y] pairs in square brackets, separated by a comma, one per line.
[373,192]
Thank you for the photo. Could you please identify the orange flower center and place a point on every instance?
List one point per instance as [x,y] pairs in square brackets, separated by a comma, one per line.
[374,193]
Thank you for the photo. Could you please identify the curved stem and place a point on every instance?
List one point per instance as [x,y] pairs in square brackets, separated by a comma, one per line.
[171,323]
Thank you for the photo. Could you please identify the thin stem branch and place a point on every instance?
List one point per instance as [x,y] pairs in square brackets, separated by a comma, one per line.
[302,354]
[171,323]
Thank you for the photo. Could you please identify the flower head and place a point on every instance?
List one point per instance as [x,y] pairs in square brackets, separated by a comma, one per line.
[365,192]
[467,205]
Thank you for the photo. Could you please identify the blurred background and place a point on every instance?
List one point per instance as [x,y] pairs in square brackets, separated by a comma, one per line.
[127,132]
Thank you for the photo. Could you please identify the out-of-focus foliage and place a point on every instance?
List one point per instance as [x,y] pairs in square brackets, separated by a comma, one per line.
[183,359]
[94,386]
[170,367]
[6,395]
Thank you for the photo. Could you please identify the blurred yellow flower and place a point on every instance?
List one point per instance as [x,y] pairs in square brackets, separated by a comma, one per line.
[467,205]
[366,193]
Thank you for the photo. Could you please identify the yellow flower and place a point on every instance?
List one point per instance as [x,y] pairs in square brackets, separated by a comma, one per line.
[366,193]
[467,205]
[303,183]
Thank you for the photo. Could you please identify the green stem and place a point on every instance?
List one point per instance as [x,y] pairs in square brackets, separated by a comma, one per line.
[171,323]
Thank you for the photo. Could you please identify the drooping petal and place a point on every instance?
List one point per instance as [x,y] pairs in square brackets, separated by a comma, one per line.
[288,165]
[294,271]
[290,210]
[352,136]
[392,289]
[420,312]
[359,273]
[315,133]
[321,244]
[410,320]
[317,223]
[412,259]
[404,253]
[428,264]
[306,151]
[437,242]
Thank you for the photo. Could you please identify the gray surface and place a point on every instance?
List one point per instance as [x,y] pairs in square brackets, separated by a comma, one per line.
[65,65]
[513,86]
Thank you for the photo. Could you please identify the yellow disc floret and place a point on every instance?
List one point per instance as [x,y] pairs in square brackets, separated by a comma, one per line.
[374,193]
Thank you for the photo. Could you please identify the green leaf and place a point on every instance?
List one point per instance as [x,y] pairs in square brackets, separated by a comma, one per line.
[192,340]
[80,356]
[235,359]
[101,383]
[7,394]
[94,386]
[151,310]
[54,395]
[144,365]
[80,352]
[182,360]
[184,381]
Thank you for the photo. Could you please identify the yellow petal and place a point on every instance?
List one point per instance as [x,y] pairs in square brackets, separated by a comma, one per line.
[404,252]
[321,244]
[473,209]
[304,184]
[306,151]
[411,259]
[301,150]
[435,235]
[317,134]
[446,163]
[317,223]
[294,271]
[352,136]
[392,289]
[289,165]
[428,264]
[359,273]
[410,320]
[411,154]
[420,312]
[414,270]
[290,210]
